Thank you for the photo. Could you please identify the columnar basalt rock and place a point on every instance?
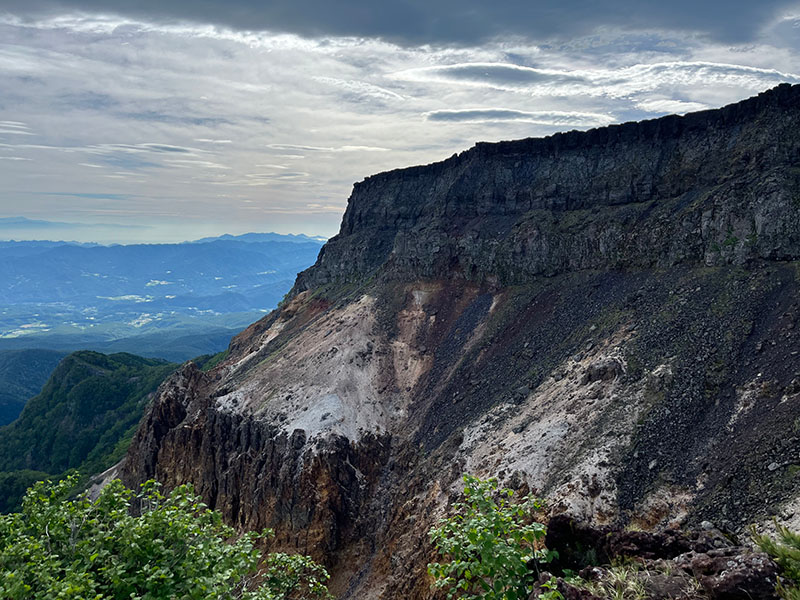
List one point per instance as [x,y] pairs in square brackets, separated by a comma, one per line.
[606,318]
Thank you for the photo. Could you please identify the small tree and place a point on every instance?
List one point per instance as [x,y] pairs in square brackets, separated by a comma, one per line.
[175,548]
[785,550]
[488,544]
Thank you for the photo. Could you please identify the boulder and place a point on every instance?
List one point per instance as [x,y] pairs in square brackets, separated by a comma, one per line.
[734,573]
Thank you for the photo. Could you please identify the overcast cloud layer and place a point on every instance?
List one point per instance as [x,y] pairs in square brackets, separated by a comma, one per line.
[465,22]
[176,120]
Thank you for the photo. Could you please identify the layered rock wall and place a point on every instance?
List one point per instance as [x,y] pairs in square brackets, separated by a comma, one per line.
[712,187]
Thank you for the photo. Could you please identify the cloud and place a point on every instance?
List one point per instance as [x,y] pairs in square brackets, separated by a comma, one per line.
[22,223]
[170,113]
[152,115]
[280,176]
[361,89]
[13,131]
[327,148]
[92,195]
[135,157]
[87,100]
[412,22]
[560,118]
[596,82]
[499,75]
[196,163]
[670,106]
[14,128]
[148,147]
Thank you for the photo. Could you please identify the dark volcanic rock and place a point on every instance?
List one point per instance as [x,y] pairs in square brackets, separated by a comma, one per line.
[602,370]
[257,475]
[714,187]
[580,544]
[734,573]
[723,571]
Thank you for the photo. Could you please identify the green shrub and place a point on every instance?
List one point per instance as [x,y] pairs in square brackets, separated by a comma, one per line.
[488,544]
[785,550]
[172,547]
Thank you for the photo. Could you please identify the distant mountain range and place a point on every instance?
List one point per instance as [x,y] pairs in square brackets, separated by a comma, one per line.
[144,297]
[264,237]
[10,225]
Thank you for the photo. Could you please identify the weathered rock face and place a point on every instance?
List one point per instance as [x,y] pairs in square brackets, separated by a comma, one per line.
[715,187]
[606,318]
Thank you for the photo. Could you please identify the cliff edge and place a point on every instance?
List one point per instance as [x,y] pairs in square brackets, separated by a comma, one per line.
[713,187]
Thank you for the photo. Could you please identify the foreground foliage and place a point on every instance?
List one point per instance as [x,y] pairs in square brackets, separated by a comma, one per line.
[488,544]
[785,550]
[175,548]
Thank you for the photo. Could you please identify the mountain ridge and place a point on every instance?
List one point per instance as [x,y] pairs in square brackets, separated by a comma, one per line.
[465,214]
[635,362]
[783,95]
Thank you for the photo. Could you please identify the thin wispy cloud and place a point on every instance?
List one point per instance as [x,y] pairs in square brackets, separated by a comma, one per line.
[362,88]
[196,163]
[484,115]
[327,148]
[12,131]
[670,106]
[616,83]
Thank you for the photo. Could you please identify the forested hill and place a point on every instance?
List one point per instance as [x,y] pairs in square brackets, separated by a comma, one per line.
[83,419]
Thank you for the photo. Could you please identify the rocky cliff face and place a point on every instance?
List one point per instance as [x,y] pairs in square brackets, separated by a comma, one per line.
[714,187]
[607,318]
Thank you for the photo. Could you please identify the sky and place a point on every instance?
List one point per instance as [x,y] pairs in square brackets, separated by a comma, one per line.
[177,119]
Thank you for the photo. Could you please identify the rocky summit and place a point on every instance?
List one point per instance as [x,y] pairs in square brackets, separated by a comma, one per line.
[607,318]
